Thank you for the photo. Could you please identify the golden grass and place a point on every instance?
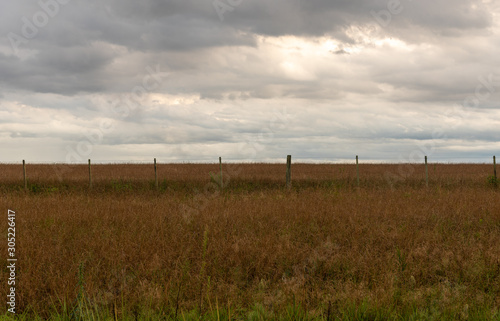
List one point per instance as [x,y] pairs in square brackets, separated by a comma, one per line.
[326,242]
[242,176]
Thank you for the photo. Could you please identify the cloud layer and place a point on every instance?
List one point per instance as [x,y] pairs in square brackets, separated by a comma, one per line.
[184,80]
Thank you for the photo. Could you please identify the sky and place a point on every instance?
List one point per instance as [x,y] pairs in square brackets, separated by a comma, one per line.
[249,80]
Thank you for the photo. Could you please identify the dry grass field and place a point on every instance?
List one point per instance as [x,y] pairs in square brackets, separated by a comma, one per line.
[324,250]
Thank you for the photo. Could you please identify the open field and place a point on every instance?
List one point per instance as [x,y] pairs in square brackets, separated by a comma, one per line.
[391,249]
[245,176]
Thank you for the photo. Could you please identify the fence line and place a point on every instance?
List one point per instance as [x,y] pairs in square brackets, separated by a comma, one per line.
[156,176]
[220,166]
[24,174]
[288,175]
[289,172]
[357,170]
[495,167]
[90,176]
[426,173]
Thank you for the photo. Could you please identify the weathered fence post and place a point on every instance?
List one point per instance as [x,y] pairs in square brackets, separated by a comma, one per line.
[289,172]
[357,170]
[90,175]
[156,175]
[426,173]
[495,167]
[220,167]
[24,175]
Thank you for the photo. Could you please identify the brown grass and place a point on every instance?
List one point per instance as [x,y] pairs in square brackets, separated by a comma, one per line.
[395,245]
[245,175]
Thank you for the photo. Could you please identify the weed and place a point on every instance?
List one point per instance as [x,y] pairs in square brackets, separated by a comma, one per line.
[215,179]
[203,265]
[119,186]
[401,259]
[492,181]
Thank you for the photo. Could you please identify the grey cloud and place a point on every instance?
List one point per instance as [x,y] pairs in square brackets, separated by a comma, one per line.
[73,60]
[320,17]
[72,56]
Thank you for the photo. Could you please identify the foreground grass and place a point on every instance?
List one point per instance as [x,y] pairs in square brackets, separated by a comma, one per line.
[294,312]
[323,251]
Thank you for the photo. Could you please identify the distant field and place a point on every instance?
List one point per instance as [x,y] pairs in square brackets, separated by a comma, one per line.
[236,175]
[326,249]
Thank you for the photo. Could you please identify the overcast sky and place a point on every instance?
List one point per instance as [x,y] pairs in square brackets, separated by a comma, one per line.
[254,80]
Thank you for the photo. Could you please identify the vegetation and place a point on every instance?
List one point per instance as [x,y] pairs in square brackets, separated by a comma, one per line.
[391,249]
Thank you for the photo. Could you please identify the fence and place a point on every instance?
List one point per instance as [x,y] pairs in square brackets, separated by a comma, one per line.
[288,172]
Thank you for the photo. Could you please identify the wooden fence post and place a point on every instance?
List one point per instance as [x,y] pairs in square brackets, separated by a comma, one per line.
[220,167]
[495,166]
[289,172]
[426,173]
[357,169]
[90,175]
[156,175]
[24,175]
